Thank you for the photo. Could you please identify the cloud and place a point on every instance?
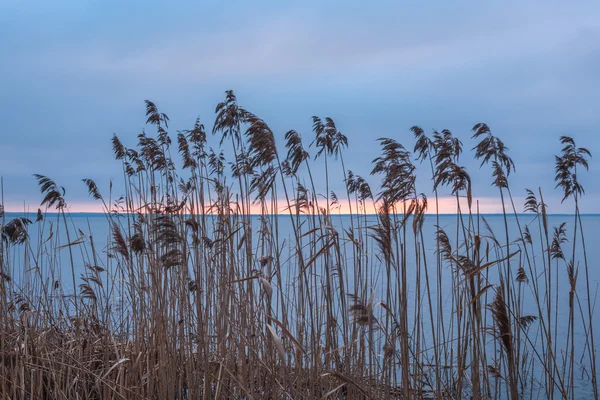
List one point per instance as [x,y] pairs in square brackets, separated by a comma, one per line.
[298,46]
[527,69]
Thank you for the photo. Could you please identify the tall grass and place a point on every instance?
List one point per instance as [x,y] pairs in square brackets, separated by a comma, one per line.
[195,297]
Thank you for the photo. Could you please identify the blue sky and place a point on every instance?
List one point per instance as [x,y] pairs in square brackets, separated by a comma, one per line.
[73,73]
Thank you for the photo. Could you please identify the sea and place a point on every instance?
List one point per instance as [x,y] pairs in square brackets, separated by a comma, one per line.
[490,226]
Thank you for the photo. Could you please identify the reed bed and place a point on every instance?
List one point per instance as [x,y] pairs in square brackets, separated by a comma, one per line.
[196,296]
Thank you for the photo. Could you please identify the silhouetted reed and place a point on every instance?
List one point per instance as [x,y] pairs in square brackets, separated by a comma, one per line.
[196,297]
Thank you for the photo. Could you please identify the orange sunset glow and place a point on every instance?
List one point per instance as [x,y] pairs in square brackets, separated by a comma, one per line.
[446,205]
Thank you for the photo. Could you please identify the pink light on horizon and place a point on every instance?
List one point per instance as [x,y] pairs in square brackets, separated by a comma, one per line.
[446,205]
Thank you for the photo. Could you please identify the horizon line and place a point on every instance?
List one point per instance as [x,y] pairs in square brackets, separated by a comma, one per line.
[444,205]
[284,214]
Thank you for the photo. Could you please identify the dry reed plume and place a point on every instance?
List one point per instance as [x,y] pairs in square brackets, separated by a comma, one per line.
[194,297]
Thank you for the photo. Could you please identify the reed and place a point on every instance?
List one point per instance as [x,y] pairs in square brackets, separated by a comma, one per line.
[241,277]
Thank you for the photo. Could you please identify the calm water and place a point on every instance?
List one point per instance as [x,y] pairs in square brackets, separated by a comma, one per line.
[96,225]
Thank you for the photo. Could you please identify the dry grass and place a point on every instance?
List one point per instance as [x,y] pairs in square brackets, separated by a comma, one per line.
[196,298]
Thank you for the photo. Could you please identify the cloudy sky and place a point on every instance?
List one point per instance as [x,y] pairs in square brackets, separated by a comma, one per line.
[75,72]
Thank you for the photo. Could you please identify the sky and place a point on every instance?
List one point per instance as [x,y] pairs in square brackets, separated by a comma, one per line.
[72,73]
